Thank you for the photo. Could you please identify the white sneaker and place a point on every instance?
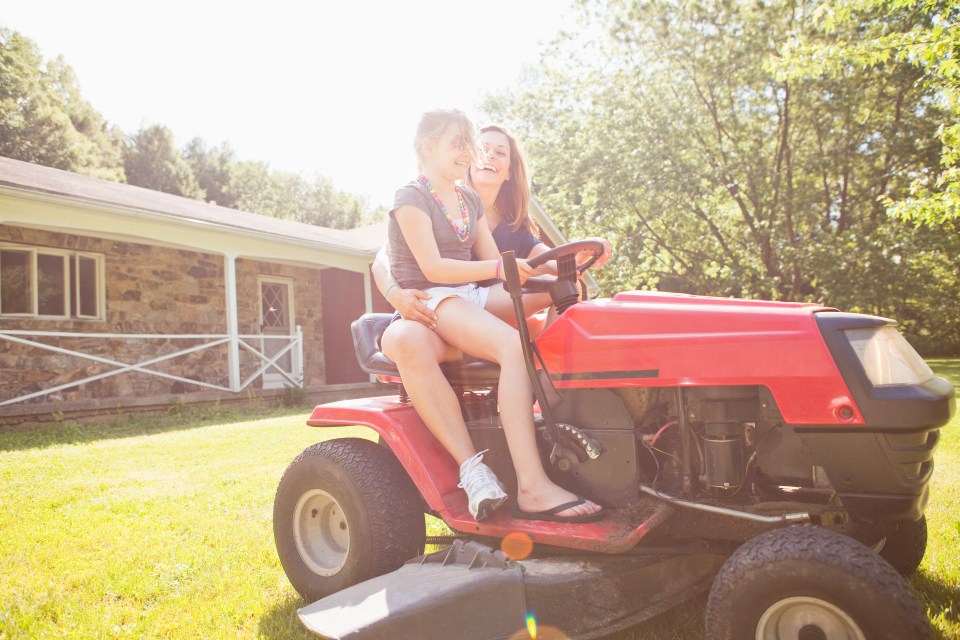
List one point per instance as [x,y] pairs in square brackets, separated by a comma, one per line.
[484,492]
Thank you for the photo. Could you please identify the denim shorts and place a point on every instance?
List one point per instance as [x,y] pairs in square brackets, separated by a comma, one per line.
[469,292]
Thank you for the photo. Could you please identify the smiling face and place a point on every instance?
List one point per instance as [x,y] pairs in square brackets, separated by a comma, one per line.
[493,165]
[444,144]
[448,155]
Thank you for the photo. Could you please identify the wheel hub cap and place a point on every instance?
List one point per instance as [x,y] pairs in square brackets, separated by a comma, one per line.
[321,532]
[807,618]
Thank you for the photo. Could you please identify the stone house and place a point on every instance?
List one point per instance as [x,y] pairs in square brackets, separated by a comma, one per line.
[115,297]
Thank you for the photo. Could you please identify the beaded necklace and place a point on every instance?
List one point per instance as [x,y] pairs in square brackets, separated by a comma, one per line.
[462,226]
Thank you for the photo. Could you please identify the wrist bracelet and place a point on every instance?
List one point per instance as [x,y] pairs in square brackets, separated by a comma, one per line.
[387,292]
[499,264]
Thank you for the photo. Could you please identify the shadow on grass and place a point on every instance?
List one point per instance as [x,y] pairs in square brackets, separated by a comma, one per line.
[683,622]
[137,424]
[281,621]
[940,599]
[947,368]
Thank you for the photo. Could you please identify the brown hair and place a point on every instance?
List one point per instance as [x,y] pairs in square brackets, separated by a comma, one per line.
[513,199]
[434,123]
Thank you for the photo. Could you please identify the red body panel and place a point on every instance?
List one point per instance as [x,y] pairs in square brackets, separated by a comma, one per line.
[436,475]
[634,339]
[666,340]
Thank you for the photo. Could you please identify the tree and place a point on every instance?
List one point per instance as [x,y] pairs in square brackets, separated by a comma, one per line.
[254,187]
[44,120]
[211,169]
[663,126]
[153,161]
[920,33]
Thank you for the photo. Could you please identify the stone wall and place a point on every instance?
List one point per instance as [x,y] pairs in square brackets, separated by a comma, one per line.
[150,290]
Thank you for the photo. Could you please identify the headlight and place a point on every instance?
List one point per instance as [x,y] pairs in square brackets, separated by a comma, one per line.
[887,357]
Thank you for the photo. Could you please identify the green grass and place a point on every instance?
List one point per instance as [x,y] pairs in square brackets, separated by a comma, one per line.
[161,528]
[155,529]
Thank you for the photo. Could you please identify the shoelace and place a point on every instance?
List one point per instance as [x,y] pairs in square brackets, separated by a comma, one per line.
[473,473]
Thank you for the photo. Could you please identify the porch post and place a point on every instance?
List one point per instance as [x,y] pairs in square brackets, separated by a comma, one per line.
[298,363]
[367,293]
[368,304]
[233,347]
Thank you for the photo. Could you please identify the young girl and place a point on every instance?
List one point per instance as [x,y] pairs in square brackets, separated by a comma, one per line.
[440,243]
[499,176]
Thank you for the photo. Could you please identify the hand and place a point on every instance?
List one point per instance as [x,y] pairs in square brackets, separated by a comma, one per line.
[407,303]
[548,268]
[525,270]
[583,256]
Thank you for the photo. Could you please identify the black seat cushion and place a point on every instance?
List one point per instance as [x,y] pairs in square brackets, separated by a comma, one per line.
[367,330]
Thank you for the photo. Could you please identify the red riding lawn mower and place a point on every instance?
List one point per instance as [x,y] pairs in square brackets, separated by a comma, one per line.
[776,454]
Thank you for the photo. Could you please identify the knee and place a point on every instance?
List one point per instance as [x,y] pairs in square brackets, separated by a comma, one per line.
[510,353]
[407,342]
[395,345]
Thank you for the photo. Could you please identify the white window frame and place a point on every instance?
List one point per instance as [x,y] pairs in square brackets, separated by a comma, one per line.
[100,282]
[71,289]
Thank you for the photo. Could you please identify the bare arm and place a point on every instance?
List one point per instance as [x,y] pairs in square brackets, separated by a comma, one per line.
[417,231]
[405,301]
[549,267]
[381,271]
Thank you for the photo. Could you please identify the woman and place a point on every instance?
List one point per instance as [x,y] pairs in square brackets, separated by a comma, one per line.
[500,178]
[440,244]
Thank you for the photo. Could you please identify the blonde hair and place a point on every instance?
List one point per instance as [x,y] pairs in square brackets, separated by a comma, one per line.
[434,123]
[513,199]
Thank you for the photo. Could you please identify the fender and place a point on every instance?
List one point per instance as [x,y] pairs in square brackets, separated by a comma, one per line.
[432,469]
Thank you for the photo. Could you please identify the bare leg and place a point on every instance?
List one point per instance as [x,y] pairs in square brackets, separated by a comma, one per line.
[484,336]
[500,304]
[418,352]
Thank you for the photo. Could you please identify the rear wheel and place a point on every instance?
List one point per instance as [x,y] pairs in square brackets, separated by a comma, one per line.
[809,583]
[905,546]
[345,512]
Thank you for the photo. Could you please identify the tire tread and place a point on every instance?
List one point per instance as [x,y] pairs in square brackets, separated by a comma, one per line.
[390,502]
[824,551]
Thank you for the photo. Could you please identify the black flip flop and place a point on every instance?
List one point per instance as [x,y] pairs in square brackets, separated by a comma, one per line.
[550,515]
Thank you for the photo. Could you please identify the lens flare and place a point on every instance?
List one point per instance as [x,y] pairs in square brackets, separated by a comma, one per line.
[516,545]
[532,625]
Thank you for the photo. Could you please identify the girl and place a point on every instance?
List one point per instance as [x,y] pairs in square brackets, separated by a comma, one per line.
[439,243]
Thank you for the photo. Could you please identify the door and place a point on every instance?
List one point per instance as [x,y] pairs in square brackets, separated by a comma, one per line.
[276,319]
[341,293]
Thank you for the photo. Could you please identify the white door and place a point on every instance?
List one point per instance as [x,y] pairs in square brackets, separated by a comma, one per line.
[276,319]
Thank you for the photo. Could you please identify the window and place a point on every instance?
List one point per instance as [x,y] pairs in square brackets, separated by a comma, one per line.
[50,283]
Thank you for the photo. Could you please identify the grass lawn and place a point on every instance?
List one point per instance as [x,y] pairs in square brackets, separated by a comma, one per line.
[161,528]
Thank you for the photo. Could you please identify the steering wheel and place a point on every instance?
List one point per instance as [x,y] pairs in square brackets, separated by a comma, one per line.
[567,269]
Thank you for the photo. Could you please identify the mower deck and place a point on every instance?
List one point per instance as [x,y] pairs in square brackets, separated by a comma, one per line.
[470,591]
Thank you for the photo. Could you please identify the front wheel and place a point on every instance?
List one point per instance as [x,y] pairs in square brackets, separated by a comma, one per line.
[905,546]
[809,583]
[345,512]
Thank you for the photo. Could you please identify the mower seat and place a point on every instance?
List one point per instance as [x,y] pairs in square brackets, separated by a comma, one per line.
[367,329]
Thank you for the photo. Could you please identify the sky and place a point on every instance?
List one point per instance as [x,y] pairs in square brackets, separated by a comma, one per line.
[313,87]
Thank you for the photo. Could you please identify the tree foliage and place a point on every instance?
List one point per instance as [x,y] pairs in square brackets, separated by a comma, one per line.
[665,127]
[924,34]
[211,168]
[253,186]
[153,161]
[44,120]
